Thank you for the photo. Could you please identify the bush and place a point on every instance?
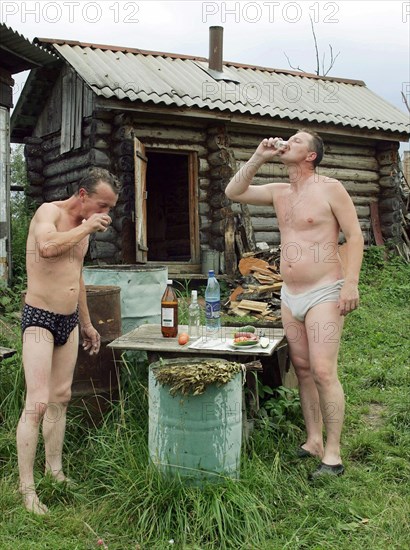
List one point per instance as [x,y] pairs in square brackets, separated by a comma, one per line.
[21,212]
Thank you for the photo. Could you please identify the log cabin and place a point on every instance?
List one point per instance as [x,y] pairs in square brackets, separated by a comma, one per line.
[175,128]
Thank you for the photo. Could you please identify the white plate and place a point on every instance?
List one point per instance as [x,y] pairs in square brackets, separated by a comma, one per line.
[239,346]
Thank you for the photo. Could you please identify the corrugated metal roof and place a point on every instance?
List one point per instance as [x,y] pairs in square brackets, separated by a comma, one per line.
[183,81]
[19,54]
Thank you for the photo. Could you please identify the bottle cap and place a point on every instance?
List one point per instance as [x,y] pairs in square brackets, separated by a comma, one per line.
[194,295]
[169,282]
[211,273]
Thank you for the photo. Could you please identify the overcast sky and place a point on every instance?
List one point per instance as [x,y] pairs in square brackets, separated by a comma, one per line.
[373,37]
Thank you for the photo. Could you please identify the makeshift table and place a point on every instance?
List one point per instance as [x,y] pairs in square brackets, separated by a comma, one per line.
[148,338]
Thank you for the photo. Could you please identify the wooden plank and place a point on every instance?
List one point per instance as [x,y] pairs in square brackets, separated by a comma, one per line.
[252,305]
[246,264]
[140,171]
[77,113]
[376,226]
[276,276]
[230,255]
[262,270]
[246,225]
[270,318]
[234,294]
[263,279]
[261,289]
[239,312]
[67,104]
[193,208]
[239,245]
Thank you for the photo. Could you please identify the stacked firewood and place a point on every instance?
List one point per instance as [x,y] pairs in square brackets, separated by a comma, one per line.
[257,291]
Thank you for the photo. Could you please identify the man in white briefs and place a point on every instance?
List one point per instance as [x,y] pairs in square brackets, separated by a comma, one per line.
[318,291]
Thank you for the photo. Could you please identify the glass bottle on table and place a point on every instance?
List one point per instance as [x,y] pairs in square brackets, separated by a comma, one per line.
[194,316]
[169,312]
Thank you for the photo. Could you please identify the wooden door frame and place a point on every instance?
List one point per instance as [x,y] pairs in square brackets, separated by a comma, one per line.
[194,265]
[140,186]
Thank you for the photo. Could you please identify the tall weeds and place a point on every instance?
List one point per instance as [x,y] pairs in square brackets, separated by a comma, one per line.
[121,500]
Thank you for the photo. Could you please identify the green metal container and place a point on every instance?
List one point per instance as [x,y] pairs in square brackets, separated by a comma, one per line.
[142,287]
[196,437]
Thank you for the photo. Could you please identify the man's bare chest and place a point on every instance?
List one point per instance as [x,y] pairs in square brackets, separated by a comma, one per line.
[303,212]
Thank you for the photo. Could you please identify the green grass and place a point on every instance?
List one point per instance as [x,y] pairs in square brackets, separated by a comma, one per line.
[120,499]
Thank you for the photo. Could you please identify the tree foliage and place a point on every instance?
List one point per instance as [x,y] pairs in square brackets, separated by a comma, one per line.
[21,212]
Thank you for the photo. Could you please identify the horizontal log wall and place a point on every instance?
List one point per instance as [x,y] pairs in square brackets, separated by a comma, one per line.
[368,174]
[356,166]
[54,177]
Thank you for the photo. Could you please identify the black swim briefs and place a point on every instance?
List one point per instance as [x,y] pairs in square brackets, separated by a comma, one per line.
[59,325]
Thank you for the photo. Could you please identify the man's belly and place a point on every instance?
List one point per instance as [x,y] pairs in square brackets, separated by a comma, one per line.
[57,299]
[55,289]
[310,265]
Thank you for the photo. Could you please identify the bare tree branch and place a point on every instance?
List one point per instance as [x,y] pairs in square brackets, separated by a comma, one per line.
[316,46]
[291,66]
[333,58]
[405,102]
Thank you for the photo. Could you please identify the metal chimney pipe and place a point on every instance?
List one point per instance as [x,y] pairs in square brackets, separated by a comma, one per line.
[215,48]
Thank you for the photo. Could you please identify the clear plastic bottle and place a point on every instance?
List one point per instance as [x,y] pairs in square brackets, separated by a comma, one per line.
[169,312]
[194,316]
[213,306]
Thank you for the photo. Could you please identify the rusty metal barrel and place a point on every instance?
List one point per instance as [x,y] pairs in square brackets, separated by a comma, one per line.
[95,381]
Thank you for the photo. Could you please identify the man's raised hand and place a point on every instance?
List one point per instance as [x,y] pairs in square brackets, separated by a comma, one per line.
[98,222]
[267,150]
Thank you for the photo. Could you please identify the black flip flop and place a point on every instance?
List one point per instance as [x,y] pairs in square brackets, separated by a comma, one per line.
[303,453]
[327,470]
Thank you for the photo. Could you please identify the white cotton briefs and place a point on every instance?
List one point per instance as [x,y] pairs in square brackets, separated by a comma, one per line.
[299,304]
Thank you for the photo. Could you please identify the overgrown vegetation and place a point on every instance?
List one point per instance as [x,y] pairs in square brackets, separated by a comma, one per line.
[124,503]
[21,212]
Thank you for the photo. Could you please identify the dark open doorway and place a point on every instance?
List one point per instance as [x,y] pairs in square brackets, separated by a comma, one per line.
[168,216]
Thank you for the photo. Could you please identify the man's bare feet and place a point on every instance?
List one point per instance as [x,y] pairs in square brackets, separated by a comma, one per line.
[60,477]
[57,475]
[32,503]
